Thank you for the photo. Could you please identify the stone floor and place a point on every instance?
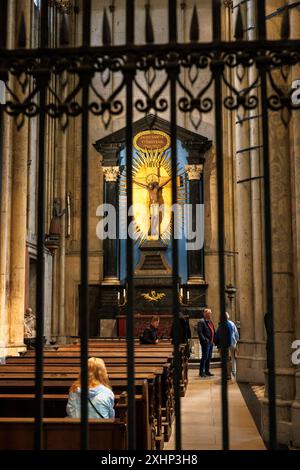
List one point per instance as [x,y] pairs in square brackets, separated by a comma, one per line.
[201,417]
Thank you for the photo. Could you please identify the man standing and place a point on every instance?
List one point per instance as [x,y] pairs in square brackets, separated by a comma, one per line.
[230,343]
[206,333]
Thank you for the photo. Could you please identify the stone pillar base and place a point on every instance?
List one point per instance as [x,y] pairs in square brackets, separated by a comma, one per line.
[295,431]
[295,411]
[13,350]
[285,393]
[284,425]
[251,362]
[250,369]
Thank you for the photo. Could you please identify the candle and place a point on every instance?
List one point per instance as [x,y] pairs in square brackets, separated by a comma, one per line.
[187,295]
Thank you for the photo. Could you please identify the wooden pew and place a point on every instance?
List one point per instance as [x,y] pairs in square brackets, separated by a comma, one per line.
[162,373]
[59,383]
[166,400]
[62,434]
[59,359]
[144,351]
[114,353]
[97,345]
[23,406]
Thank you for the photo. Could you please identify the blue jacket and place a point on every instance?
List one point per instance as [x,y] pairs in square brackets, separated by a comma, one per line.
[101,398]
[232,335]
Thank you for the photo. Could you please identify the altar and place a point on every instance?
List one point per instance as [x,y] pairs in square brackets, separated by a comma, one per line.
[152,225]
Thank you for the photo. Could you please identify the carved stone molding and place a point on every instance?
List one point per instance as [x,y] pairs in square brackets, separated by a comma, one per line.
[111,173]
[194,172]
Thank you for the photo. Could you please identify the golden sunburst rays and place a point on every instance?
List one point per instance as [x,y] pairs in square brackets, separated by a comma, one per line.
[152,162]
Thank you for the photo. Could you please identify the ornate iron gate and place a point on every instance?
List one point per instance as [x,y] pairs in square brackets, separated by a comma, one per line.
[80,65]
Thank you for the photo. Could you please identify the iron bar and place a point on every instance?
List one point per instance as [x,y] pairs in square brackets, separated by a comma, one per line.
[221,224]
[129,77]
[40,283]
[173,72]
[253,178]
[268,240]
[280,10]
[3,24]
[84,251]
[221,46]
[172,12]
[248,118]
[249,149]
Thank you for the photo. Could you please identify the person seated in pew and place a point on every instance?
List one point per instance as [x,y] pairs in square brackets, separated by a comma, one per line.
[149,335]
[100,396]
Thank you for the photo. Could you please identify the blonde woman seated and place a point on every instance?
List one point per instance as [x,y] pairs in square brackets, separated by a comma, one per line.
[100,395]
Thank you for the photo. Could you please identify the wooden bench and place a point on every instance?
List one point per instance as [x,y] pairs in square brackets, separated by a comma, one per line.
[162,380]
[62,434]
[23,405]
[59,383]
[164,402]
[113,357]
[153,363]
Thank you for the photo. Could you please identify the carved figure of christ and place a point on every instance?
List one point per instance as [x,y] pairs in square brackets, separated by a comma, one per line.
[155,201]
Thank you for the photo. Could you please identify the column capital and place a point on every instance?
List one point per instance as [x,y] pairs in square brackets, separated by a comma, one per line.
[194,172]
[109,151]
[111,173]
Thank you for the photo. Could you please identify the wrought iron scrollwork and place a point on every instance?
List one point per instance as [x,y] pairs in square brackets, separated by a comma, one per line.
[201,102]
[197,67]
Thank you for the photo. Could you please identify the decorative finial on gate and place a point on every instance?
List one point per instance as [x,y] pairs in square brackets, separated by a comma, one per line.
[285,25]
[149,35]
[239,27]
[64,31]
[106,34]
[194,31]
[22,32]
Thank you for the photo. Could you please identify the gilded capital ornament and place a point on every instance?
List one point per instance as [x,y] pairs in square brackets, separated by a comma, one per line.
[111,173]
[194,172]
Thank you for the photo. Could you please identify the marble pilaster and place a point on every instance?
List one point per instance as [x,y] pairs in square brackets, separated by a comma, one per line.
[195,258]
[111,247]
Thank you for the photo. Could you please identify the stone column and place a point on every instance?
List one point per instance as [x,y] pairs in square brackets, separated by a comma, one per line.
[282,257]
[59,257]
[245,273]
[62,252]
[195,258]
[18,236]
[5,216]
[111,247]
[229,178]
[256,170]
[18,225]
